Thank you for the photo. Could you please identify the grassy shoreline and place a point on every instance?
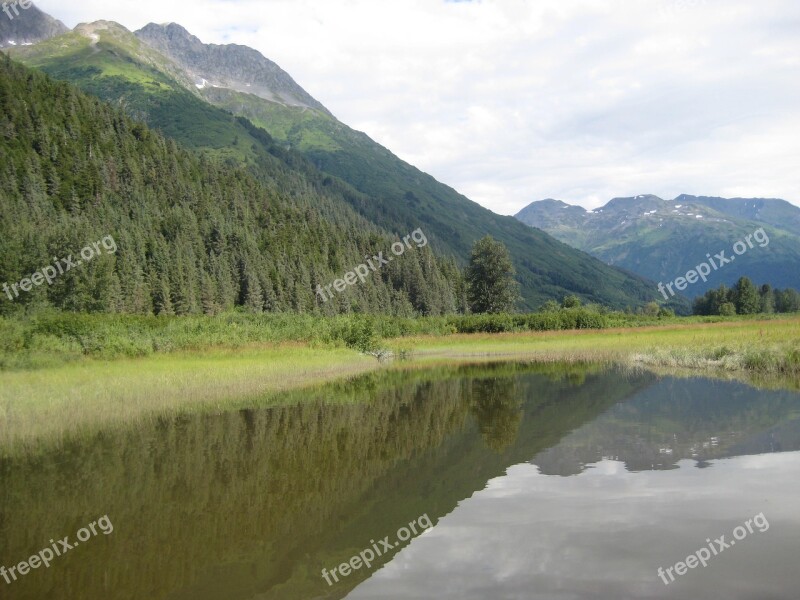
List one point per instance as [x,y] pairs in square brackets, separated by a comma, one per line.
[47,339]
[59,401]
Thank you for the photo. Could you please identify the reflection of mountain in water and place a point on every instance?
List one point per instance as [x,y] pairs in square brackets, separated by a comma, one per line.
[681,419]
[254,503]
[257,502]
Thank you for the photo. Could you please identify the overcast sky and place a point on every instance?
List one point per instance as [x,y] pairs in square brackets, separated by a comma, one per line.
[511,101]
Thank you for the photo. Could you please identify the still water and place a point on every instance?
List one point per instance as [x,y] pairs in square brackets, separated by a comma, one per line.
[491,482]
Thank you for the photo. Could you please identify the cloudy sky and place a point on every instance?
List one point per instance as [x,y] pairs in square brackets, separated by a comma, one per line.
[511,101]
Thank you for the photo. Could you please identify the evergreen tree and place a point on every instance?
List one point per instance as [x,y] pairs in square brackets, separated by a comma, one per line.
[745,297]
[490,278]
[767,299]
[74,170]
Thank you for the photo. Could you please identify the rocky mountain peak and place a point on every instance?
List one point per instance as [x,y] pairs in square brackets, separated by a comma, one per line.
[232,66]
[26,26]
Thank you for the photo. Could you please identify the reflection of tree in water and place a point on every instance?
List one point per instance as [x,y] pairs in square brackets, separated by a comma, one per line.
[497,407]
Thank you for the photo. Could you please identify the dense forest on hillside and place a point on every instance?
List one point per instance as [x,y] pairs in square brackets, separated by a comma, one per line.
[192,234]
[108,61]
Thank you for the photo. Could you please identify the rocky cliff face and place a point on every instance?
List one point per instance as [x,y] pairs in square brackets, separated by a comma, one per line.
[230,66]
[26,26]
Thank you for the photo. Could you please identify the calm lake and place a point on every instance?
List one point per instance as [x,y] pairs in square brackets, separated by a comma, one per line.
[478,482]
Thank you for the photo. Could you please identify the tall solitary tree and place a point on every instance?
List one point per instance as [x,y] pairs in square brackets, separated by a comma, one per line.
[491,287]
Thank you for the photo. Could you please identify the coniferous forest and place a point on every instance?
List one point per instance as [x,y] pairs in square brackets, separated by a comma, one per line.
[194,234]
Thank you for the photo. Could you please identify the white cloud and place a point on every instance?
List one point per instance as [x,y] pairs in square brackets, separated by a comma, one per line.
[511,101]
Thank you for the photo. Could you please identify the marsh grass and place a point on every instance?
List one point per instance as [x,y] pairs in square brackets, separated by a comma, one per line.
[765,348]
[90,395]
[249,365]
[47,339]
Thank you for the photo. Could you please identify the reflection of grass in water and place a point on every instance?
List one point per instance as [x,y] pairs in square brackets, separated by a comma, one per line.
[260,500]
[46,406]
[758,347]
[88,394]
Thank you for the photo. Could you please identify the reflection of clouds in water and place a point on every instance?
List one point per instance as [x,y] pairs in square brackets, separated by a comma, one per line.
[678,419]
[603,534]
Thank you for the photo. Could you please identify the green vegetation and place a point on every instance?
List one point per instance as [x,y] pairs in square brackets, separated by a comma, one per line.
[50,338]
[740,346]
[300,128]
[744,298]
[193,235]
[491,287]
[662,239]
[324,155]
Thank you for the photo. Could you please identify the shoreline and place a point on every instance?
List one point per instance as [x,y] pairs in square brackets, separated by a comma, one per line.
[56,403]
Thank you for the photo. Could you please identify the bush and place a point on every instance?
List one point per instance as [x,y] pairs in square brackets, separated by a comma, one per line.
[590,320]
[485,323]
[572,318]
[359,333]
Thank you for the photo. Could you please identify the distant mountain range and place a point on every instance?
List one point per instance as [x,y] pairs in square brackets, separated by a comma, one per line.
[190,90]
[663,239]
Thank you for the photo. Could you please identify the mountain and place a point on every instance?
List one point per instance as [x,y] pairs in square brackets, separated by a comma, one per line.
[772,211]
[25,26]
[233,67]
[663,239]
[105,60]
[133,72]
[400,196]
[180,233]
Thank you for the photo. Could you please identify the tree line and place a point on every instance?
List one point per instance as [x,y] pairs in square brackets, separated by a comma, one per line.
[195,235]
[745,298]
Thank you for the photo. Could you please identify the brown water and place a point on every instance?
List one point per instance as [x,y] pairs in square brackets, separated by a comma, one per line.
[538,482]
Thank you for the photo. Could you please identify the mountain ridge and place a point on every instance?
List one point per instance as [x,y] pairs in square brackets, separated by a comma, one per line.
[399,190]
[122,69]
[661,239]
[232,66]
[26,26]
[193,234]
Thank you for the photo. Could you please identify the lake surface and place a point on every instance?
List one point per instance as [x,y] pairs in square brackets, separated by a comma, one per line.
[484,482]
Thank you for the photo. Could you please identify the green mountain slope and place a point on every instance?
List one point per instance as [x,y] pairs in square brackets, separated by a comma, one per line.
[105,60]
[189,233]
[398,195]
[772,211]
[662,240]
[108,61]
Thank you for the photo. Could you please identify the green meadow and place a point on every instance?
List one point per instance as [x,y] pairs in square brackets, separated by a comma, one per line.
[63,374]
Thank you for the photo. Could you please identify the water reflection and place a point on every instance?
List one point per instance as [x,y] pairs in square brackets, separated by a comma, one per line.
[674,419]
[254,503]
[604,534]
